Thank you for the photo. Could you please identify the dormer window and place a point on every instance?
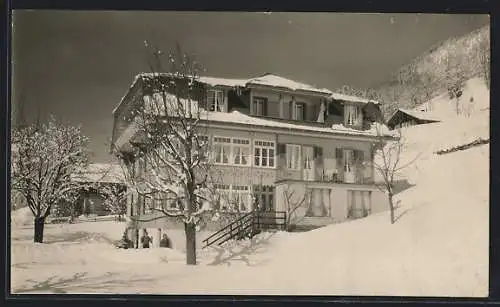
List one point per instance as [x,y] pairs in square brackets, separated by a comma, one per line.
[300,111]
[215,101]
[353,116]
[259,106]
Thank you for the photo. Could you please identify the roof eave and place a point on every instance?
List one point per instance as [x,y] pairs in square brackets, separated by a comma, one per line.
[290,90]
[332,133]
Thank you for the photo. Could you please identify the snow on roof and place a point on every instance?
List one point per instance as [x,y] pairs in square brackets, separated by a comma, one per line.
[241,118]
[100,172]
[127,92]
[339,96]
[421,114]
[277,81]
[223,81]
[267,79]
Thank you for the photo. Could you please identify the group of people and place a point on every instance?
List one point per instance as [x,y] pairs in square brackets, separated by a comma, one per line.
[146,240]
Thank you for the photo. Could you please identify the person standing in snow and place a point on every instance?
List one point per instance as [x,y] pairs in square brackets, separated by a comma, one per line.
[165,241]
[146,240]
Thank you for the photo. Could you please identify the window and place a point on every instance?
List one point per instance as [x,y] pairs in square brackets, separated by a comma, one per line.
[334,109]
[241,152]
[202,140]
[293,156]
[222,150]
[201,147]
[300,111]
[215,100]
[359,203]
[264,153]
[264,196]
[241,197]
[158,200]
[148,204]
[259,106]
[223,191]
[352,115]
[179,147]
[234,197]
[348,160]
[282,106]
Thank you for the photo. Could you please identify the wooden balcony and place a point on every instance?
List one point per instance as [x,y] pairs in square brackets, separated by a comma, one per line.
[344,178]
[330,178]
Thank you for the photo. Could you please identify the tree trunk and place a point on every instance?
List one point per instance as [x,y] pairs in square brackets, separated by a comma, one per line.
[391,205]
[190,231]
[39,225]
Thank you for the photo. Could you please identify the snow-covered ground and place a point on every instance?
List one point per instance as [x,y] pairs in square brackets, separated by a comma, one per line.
[475,97]
[439,245]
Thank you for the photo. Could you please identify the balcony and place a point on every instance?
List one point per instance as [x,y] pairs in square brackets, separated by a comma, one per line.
[344,178]
[361,176]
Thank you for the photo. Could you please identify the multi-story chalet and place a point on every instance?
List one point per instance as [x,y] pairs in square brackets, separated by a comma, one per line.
[272,135]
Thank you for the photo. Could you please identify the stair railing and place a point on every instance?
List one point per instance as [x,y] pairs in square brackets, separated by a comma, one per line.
[229,231]
[248,224]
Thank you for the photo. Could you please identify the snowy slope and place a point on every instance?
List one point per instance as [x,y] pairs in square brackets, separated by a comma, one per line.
[475,97]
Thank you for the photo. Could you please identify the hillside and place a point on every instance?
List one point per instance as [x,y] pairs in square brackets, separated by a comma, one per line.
[475,97]
[441,70]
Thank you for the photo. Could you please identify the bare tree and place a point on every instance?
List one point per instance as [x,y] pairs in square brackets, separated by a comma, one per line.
[455,78]
[484,54]
[390,97]
[173,150]
[426,87]
[293,204]
[114,198]
[389,163]
[46,155]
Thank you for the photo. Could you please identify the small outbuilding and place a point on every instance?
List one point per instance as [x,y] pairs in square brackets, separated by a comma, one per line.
[405,118]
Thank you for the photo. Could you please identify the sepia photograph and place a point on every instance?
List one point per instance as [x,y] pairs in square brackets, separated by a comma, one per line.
[250,153]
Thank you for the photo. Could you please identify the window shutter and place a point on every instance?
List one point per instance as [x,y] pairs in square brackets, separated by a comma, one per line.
[224,99]
[290,109]
[281,149]
[318,152]
[361,155]
[264,107]
[304,112]
[338,153]
[340,163]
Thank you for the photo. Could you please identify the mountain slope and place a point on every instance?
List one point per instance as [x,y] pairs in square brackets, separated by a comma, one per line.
[442,69]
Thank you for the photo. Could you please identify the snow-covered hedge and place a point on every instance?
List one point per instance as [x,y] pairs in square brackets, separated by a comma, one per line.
[476,142]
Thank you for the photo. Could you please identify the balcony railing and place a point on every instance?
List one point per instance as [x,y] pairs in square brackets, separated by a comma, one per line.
[342,178]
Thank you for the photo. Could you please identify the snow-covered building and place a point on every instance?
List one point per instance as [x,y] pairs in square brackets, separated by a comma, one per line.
[280,135]
[404,118]
[95,179]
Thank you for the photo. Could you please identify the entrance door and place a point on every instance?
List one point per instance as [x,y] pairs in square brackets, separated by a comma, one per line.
[308,163]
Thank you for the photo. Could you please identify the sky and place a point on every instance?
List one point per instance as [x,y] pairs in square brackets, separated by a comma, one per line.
[77,65]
